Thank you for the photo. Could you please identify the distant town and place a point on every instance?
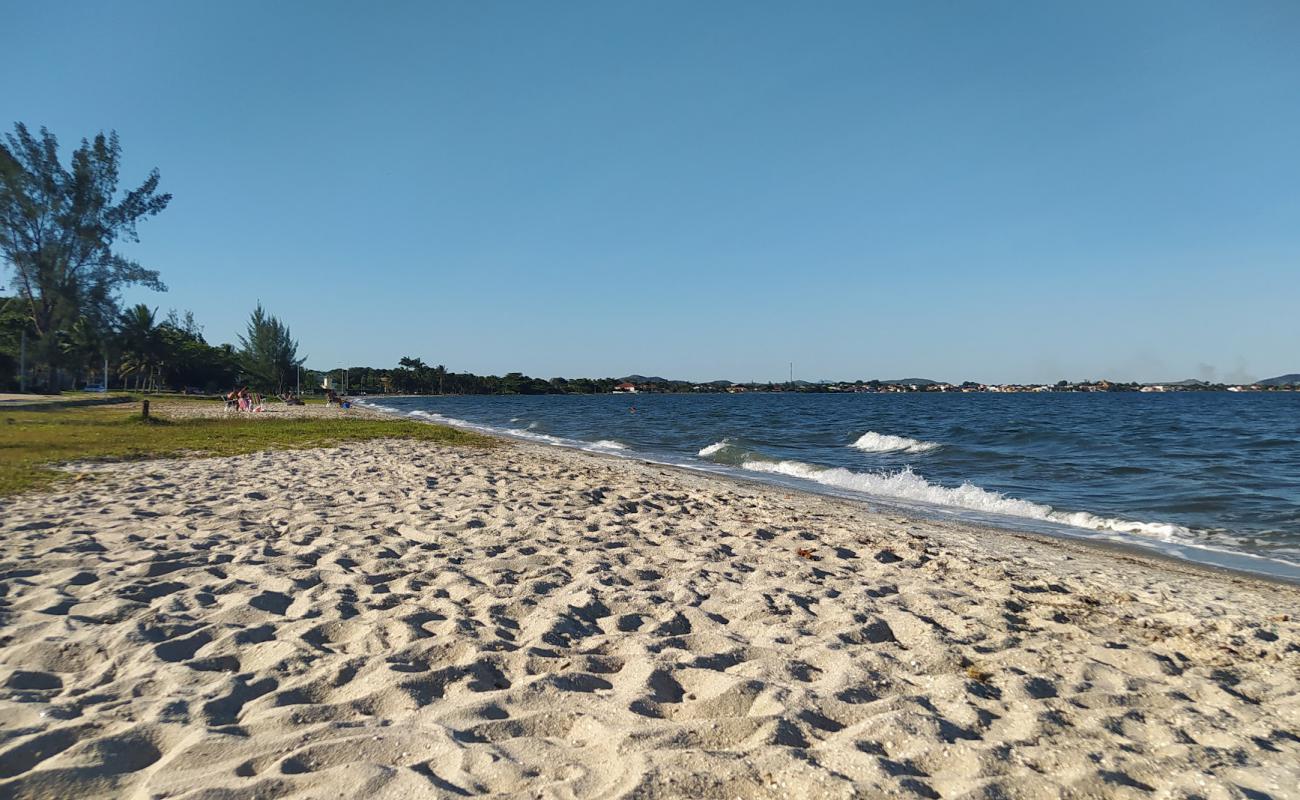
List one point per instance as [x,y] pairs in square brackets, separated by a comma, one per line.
[638,384]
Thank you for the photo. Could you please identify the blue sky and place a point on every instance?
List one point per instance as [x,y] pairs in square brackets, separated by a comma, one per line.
[996,191]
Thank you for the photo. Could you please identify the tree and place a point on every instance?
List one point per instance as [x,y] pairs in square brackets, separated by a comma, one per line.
[84,345]
[58,228]
[141,345]
[268,354]
[188,360]
[13,324]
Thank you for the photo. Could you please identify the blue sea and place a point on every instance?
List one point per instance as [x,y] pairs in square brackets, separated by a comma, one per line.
[1208,477]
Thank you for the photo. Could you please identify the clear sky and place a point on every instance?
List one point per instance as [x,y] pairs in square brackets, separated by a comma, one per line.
[994,191]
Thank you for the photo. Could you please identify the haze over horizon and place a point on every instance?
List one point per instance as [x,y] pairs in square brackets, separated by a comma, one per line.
[1003,193]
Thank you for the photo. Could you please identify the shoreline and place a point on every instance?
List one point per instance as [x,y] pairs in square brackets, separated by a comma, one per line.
[392,618]
[1131,553]
[1135,548]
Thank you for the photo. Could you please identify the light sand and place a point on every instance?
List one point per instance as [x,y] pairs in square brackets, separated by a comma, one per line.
[273,409]
[392,619]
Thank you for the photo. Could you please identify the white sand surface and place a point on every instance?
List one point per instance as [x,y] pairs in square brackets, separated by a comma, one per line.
[393,619]
[271,410]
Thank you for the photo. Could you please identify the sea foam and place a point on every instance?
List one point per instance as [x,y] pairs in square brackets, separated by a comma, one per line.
[714,448]
[872,442]
[906,485]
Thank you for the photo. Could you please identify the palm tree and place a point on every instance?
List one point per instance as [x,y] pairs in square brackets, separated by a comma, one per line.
[141,345]
[83,344]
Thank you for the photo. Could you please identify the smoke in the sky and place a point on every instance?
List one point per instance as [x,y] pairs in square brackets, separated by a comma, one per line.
[1238,374]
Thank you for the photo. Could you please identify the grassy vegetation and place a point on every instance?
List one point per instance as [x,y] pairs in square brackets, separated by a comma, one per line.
[33,442]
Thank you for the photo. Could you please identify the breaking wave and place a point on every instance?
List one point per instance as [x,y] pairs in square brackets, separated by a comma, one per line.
[906,485]
[872,442]
[714,448]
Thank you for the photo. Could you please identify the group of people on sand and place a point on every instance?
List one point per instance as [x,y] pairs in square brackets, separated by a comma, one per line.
[242,400]
[333,398]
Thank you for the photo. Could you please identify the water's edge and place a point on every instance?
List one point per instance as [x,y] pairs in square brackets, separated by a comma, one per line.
[1209,559]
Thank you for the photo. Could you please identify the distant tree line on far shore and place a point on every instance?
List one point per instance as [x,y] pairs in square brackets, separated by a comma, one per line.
[413,376]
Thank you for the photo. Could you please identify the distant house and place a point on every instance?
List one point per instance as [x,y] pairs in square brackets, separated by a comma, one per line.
[625,388]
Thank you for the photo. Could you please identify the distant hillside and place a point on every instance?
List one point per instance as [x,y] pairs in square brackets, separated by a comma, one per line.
[644,379]
[1282,380]
[912,382]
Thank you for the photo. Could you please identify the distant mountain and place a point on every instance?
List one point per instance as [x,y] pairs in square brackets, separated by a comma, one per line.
[644,379]
[1188,382]
[1282,380]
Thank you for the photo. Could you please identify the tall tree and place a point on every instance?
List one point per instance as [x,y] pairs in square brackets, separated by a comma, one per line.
[59,226]
[268,353]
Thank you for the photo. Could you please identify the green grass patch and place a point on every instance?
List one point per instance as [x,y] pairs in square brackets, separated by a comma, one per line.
[34,442]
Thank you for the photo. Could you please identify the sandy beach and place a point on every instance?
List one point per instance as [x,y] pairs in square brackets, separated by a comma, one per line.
[393,619]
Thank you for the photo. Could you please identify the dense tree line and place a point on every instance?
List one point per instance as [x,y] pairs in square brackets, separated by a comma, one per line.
[413,376]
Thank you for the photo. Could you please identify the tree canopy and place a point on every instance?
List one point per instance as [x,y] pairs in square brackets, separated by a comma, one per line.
[268,353]
[59,226]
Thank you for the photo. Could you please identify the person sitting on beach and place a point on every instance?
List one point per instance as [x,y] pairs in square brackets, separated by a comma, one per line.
[232,400]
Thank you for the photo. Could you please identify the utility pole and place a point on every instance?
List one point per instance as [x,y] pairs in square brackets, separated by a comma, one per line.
[22,363]
[298,386]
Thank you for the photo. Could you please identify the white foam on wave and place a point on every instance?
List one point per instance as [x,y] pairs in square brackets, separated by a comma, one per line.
[608,444]
[546,438]
[908,486]
[441,419]
[713,448]
[872,442]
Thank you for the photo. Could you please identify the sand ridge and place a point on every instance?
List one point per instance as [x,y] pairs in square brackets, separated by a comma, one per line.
[391,619]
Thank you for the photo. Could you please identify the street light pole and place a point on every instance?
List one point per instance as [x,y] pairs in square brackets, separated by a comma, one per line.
[22,363]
